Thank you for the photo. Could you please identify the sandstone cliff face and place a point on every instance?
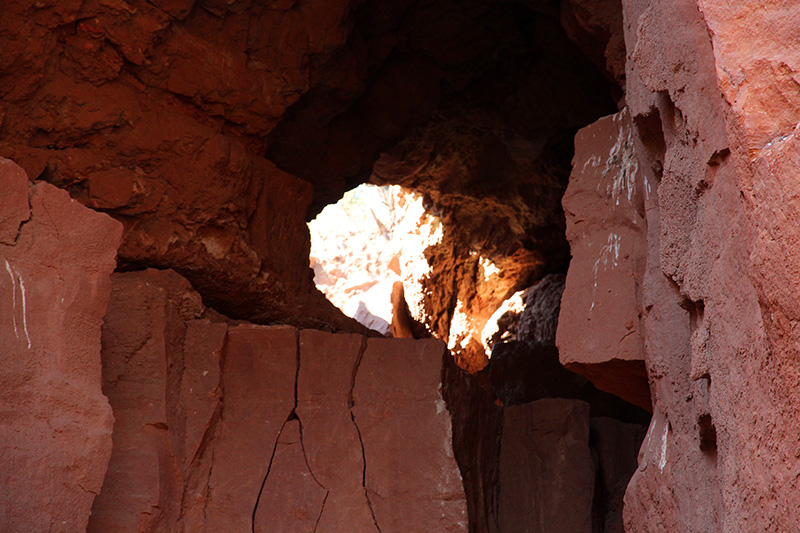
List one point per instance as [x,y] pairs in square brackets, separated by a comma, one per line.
[56,431]
[710,274]
[184,143]
[224,427]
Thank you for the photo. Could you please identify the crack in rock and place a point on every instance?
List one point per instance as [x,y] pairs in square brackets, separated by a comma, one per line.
[269,469]
[362,349]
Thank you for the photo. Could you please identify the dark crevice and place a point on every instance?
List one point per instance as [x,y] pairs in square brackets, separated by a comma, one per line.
[305,459]
[708,434]
[361,350]
[300,422]
[23,223]
[364,473]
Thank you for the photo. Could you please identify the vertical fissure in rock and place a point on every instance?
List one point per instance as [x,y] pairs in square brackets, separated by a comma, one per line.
[361,350]
[300,424]
[292,416]
[305,459]
[321,510]
[269,468]
[211,429]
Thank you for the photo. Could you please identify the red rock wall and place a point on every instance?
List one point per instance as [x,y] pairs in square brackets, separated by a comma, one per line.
[708,286]
[681,211]
[224,427]
[55,435]
[156,112]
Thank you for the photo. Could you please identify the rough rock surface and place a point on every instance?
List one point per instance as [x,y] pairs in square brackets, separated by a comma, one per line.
[546,469]
[223,427]
[710,92]
[157,113]
[600,334]
[55,438]
[519,463]
[212,128]
[530,315]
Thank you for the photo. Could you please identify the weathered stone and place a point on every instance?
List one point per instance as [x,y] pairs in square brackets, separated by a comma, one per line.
[149,144]
[161,112]
[332,443]
[14,209]
[292,499]
[142,335]
[256,427]
[546,469]
[403,426]
[539,320]
[55,439]
[200,389]
[258,396]
[599,332]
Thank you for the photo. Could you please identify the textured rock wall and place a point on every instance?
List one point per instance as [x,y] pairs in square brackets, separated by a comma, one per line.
[157,113]
[209,130]
[710,93]
[607,230]
[559,453]
[228,427]
[55,436]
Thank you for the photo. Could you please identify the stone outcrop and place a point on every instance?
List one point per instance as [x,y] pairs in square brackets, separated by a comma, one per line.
[156,113]
[553,463]
[55,438]
[601,335]
[196,137]
[714,291]
[231,427]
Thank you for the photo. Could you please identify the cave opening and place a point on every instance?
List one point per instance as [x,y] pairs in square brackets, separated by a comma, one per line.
[367,243]
[473,106]
[470,109]
[230,124]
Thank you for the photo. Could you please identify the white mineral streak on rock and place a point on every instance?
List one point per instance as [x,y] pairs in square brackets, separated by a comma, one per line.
[24,309]
[17,280]
[13,298]
[623,183]
[662,461]
[608,255]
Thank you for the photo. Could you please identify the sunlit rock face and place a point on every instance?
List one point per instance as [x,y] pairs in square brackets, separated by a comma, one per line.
[363,244]
[377,236]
